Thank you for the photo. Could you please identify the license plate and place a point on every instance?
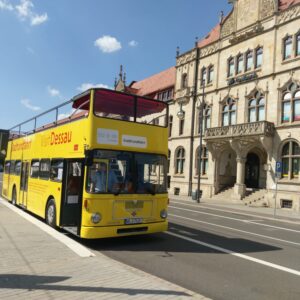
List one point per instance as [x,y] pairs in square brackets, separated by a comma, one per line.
[133,221]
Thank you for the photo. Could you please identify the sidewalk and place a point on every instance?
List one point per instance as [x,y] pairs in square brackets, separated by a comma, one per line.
[35,265]
[282,214]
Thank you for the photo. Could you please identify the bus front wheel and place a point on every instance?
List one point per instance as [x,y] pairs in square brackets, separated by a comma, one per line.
[51,213]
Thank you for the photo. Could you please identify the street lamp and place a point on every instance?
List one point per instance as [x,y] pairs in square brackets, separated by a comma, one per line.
[200,106]
[181,113]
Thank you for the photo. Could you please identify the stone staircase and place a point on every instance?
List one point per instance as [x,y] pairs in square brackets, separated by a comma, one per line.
[253,197]
[256,198]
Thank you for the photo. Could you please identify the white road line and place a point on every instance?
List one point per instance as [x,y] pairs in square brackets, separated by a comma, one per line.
[235,219]
[243,256]
[233,211]
[238,230]
[70,243]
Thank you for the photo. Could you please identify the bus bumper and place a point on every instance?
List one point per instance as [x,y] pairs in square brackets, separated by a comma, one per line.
[115,231]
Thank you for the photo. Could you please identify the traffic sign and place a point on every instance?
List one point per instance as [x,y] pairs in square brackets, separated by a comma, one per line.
[278,169]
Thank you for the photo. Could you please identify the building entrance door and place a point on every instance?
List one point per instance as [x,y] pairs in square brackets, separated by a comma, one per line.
[252,171]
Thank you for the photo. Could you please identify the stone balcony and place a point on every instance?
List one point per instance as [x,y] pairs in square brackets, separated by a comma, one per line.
[183,95]
[255,129]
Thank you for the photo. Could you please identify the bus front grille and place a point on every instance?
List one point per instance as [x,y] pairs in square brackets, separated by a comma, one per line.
[131,230]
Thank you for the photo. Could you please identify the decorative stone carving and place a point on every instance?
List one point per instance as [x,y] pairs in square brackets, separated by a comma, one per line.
[262,128]
[183,95]
[188,57]
[267,8]
[289,14]
[209,50]
[257,29]
[215,148]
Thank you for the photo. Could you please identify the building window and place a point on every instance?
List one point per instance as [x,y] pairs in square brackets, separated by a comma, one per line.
[181,125]
[169,159]
[287,47]
[165,95]
[290,160]
[210,76]
[206,118]
[240,64]
[256,108]
[298,44]
[249,60]
[170,125]
[229,113]
[179,160]
[203,163]
[230,67]
[184,81]
[291,104]
[258,57]
[203,76]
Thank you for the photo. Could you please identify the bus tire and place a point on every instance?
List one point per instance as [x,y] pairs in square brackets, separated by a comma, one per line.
[51,213]
[14,197]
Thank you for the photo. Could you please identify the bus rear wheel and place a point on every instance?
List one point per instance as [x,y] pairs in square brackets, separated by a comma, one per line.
[14,197]
[51,213]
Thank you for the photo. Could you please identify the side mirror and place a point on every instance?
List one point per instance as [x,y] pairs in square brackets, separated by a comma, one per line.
[88,158]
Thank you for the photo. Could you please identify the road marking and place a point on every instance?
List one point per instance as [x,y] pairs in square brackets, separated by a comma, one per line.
[236,219]
[243,256]
[234,212]
[70,243]
[239,230]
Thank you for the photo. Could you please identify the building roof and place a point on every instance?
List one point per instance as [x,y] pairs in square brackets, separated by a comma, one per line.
[214,34]
[157,82]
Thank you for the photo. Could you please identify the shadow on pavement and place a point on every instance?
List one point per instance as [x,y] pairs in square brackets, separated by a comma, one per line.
[36,282]
[167,243]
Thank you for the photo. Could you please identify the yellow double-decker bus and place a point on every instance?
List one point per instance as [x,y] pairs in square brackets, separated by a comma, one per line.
[97,170]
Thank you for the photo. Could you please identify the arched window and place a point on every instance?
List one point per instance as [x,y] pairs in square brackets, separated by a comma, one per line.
[229,113]
[210,76]
[184,82]
[204,161]
[258,57]
[206,118]
[230,67]
[179,160]
[298,44]
[240,64]
[291,104]
[290,160]
[170,125]
[256,108]
[249,60]
[287,47]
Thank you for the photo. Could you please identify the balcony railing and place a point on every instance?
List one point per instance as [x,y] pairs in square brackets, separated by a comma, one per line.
[262,128]
[183,94]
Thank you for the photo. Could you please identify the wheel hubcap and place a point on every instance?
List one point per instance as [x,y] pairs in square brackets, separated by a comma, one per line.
[50,213]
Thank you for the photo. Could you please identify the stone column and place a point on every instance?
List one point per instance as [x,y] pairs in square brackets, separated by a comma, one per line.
[240,187]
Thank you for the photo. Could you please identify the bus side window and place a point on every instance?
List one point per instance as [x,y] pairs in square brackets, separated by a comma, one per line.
[7,167]
[18,167]
[45,169]
[12,167]
[56,169]
[35,168]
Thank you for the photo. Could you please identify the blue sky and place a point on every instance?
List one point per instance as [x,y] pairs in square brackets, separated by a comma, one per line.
[51,50]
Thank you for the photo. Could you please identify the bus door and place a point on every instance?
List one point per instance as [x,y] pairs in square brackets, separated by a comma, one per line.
[72,194]
[24,183]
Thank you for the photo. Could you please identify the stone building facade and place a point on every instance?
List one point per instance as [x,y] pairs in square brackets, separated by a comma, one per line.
[240,87]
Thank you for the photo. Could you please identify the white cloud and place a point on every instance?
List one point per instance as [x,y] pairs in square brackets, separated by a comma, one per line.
[38,19]
[54,92]
[4,5]
[65,115]
[86,86]
[108,44]
[25,11]
[27,104]
[133,43]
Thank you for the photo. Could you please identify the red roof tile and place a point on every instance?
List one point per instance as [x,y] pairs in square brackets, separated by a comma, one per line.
[284,4]
[155,83]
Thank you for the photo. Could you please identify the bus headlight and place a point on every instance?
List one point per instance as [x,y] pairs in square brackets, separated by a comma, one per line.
[96,217]
[163,214]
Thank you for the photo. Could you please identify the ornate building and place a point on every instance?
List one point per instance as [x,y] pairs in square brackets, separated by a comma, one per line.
[240,88]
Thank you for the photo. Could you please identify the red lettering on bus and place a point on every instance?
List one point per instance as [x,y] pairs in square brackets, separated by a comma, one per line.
[60,138]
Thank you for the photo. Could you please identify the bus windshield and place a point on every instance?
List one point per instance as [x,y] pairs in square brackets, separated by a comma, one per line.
[120,172]
[114,105]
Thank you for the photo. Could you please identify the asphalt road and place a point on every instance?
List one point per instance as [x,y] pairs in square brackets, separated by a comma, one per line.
[218,254]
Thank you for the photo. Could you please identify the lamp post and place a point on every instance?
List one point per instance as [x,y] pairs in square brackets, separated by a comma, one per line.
[200,106]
